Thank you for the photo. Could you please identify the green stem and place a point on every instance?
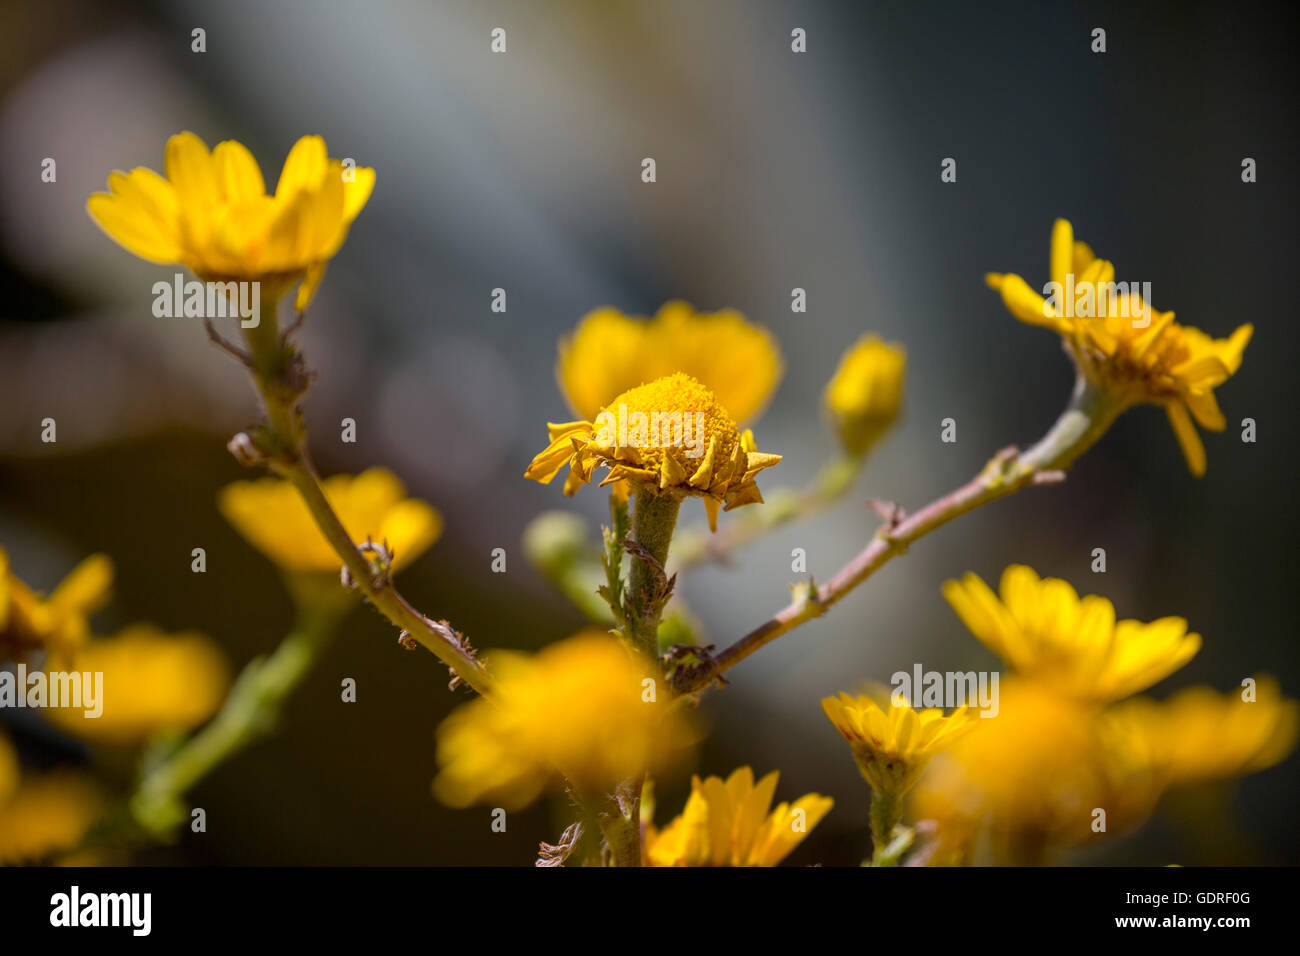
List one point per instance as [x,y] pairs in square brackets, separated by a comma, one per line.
[250,712]
[653,521]
[280,382]
[886,812]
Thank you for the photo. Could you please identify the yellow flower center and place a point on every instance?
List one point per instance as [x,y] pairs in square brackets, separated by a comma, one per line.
[672,416]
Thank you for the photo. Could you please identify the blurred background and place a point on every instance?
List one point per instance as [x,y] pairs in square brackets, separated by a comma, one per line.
[775,170]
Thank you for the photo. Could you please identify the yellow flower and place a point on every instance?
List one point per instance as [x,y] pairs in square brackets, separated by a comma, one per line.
[269,513]
[153,682]
[8,769]
[670,437]
[47,814]
[1120,342]
[863,395]
[892,749]
[57,624]
[610,353]
[582,706]
[1043,630]
[1032,775]
[728,824]
[213,214]
[1199,735]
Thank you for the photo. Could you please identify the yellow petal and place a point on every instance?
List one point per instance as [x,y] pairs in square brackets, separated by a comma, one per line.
[238,174]
[304,167]
[1188,439]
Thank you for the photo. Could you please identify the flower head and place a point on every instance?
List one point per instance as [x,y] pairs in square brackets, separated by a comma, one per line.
[153,682]
[893,745]
[582,707]
[1032,776]
[670,437]
[1199,735]
[213,214]
[863,395]
[1120,342]
[1045,631]
[373,505]
[728,824]
[57,624]
[610,353]
[47,814]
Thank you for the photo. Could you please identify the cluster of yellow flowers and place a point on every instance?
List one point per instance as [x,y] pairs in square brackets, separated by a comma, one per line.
[598,714]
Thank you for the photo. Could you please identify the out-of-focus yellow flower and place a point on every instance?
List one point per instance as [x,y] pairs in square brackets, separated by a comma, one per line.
[269,513]
[1199,735]
[1033,775]
[865,392]
[44,813]
[212,212]
[1044,631]
[610,353]
[585,706]
[8,769]
[670,437]
[57,624]
[893,745]
[1121,343]
[153,682]
[728,824]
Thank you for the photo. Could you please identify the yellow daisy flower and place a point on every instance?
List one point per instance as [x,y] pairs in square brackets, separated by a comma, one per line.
[865,392]
[1125,345]
[893,748]
[271,515]
[212,213]
[1199,735]
[585,706]
[1032,776]
[610,353]
[728,824]
[57,624]
[670,437]
[1045,631]
[153,682]
[47,814]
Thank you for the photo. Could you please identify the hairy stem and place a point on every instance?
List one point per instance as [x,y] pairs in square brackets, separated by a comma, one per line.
[280,383]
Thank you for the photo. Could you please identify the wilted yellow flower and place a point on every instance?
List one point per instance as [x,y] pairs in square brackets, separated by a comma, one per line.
[864,394]
[585,706]
[213,214]
[893,748]
[1123,344]
[1199,735]
[45,815]
[57,624]
[269,513]
[153,682]
[670,437]
[728,824]
[610,353]
[1044,631]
